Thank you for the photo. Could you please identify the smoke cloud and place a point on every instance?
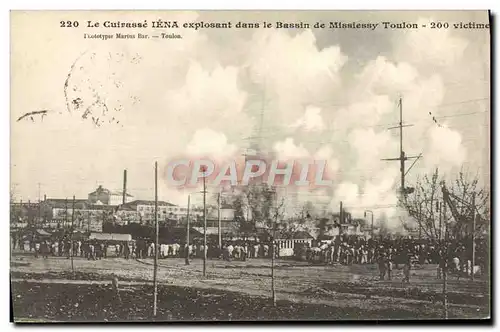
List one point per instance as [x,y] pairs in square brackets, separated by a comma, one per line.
[298,94]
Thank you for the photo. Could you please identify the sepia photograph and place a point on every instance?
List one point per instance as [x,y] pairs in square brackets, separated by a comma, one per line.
[252,166]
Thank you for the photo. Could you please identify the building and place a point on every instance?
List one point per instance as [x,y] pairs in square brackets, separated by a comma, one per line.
[58,212]
[333,226]
[107,197]
[143,211]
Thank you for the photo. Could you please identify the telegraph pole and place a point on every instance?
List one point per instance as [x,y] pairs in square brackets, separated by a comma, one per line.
[445,258]
[341,219]
[88,223]
[155,273]
[21,210]
[402,156]
[401,152]
[372,226]
[219,224]
[29,213]
[473,235]
[65,212]
[71,235]
[39,205]
[204,224]
[187,232]
[124,198]
[440,220]
[273,253]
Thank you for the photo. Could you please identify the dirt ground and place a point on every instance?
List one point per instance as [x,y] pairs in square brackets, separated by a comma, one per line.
[355,287]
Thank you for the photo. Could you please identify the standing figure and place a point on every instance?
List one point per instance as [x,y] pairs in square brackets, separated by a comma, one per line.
[407,269]
[44,249]
[256,251]
[244,252]
[266,250]
[37,249]
[126,250]
[117,250]
[116,289]
[389,267]
[382,265]
[91,252]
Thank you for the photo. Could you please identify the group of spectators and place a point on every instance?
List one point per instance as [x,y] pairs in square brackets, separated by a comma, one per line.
[391,253]
[386,253]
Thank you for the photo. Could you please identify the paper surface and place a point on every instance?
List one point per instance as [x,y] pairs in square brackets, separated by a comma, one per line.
[356,143]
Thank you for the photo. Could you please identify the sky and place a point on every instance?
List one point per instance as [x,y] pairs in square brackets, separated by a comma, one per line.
[322,93]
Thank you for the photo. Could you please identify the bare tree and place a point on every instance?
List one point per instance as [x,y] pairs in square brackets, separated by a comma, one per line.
[471,201]
[423,204]
[260,200]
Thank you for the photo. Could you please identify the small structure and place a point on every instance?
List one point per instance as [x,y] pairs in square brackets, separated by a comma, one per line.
[110,237]
[286,243]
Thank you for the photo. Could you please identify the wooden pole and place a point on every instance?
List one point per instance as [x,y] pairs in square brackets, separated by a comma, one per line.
[445,265]
[204,226]
[124,198]
[219,230]
[273,289]
[155,273]
[341,220]
[21,210]
[39,206]
[401,152]
[71,235]
[65,212]
[187,232]
[440,220]
[473,261]
[372,226]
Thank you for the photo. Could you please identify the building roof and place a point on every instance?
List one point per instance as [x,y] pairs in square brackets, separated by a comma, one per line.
[120,193]
[101,189]
[65,203]
[24,203]
[134,204]
[63,200]
[110,237]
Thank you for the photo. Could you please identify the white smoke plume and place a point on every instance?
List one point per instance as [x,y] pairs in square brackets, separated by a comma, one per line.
[316,96]
[311,121]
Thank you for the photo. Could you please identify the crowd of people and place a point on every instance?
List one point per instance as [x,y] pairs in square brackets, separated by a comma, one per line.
[386,253]
[139,248]
[456,255]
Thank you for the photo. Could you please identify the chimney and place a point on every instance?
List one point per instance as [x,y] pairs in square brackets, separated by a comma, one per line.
[44,197]
[124,186]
